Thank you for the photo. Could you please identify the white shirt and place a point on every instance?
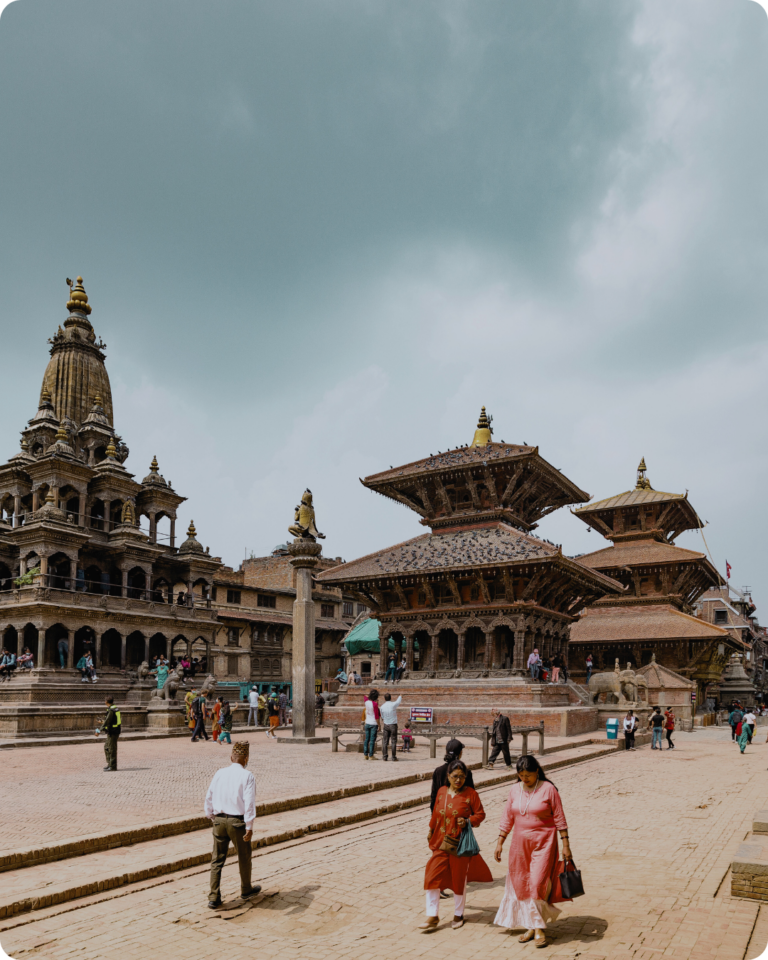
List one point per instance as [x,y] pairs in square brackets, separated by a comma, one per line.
[749,718]
[630,723]
[388,710]
[253,697]
[232,790]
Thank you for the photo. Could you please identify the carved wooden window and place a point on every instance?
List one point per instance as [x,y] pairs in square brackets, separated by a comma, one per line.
[422,598]
[275,666]
[349,609]
[266,600]
[233,636]
[232,665]
[361,608]
[233,596]
[328,610]
[213,593]
[474,593]
[721,616]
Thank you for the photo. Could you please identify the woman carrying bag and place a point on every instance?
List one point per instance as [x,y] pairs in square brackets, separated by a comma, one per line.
[534,815]
[453,863]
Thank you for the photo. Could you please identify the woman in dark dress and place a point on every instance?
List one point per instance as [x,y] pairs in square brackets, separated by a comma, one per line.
[453,751]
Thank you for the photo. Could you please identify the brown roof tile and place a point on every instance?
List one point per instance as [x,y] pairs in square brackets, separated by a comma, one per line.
[628,553]
[643,622]
[629,498]
[662,678]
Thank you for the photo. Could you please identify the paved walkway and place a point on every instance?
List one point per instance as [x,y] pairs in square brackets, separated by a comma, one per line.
[653,833]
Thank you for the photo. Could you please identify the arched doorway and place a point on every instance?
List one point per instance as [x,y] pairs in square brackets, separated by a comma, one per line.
[30,640]
[421,647]
[11,640]
[111,644]
[158,647]
[137,584]
[179,646]
[504,640]
[447,650]
[134,649]
[6,577]
[52,636]
[474,648]
[85,640]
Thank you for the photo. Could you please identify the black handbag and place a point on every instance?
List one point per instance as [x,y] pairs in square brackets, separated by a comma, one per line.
[570,881]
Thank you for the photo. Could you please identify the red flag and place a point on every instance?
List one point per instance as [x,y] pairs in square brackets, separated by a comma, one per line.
[727,570]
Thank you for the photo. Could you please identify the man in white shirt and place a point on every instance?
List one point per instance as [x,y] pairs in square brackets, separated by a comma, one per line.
[389,720]
[750,720]
[253,707]
[231,804]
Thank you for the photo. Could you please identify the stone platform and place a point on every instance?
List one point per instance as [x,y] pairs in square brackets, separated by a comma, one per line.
[468,702]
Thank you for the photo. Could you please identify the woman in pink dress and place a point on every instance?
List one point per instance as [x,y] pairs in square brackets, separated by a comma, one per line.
[534,814]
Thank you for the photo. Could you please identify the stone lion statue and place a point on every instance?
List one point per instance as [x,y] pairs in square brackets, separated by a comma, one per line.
[143,670]
[609,684]
[209,686]
[170,687]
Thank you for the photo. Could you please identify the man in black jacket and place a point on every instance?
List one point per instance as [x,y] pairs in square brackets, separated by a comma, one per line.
[501,734]
[111,726]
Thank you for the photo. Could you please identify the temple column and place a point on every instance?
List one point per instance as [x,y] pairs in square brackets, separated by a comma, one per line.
[17,511]
[518,659]
[173,531]
[81,510]
[488,651]
[190,594]
[35,500]
[123,643]
[434,640]
[40,658]
[409,652]
[97,651]
[22,566]
[460,651]
[70,648]
[124,587]
[72,574]
[146,649]
[44,570]
[304,560]
[153,528]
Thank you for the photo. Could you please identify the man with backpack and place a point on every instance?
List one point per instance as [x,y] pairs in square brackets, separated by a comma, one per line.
[734,718]
[111,726]
[197,713]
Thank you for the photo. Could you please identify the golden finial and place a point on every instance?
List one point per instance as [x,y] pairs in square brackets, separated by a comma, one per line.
[61,434]
[191,533]
[45,397]
[154,466]
[97,401]
[112,450]
[78,298]
[643,483]
[484,430]
[49,498]
[24,444]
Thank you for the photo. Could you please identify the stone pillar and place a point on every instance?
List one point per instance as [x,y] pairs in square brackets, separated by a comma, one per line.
[170,593]
[35,500]
[409,652]
[124,588]
[190,594]
[44,570]
[304,553]
[460,652]
[97,652]
[81,510]
[72,574]
[17,511]
[70,648]
[434,640]
[173,531]
[518,660]
[146,649]
[123,643]
[40,658]
[152,528]
[488,652]
[383,648]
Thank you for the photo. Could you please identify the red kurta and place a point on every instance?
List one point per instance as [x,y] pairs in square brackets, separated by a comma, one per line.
[446,871]
[533,853]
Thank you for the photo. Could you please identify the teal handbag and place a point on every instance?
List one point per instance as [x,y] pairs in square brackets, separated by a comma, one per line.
[468,846]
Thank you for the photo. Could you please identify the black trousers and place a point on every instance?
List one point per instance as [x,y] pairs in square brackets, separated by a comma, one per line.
[669,738]
[501,748]
[200,728]
[629,739]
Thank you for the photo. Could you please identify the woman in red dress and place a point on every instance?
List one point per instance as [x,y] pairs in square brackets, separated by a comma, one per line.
[455,805]
[535,812]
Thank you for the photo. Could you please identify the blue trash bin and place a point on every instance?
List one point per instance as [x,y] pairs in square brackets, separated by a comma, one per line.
[612,729]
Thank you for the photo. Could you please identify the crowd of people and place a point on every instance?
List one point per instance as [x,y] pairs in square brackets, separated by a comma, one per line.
[547,669]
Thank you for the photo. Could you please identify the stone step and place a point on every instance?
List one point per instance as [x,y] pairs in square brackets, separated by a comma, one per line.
[48,884]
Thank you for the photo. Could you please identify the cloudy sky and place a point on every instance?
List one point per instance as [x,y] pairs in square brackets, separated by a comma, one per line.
[318,235]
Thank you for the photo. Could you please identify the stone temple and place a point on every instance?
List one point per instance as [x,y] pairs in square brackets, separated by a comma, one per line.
[75,563]
[468,600]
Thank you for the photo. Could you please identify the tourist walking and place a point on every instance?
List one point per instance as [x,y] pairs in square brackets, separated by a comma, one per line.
[225,723]
[391,669]
[749,720]
[189,696]
[534,663]
[273,711]
[557,666]
[453,752]
[372,721]
[197,713]
[282,707]
[111,726]
[734,719]
[501,734]
[669,727]
[161,672]
[589,667]
[253,706]
[534,815]
[630,727]
[656,722]
[63,648]
[388,712]
[742,735]
[262,711]
[215,715]
[231,805]
[457,805]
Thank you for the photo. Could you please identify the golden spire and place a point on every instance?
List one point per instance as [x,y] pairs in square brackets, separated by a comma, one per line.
[112,450]
[484,430]
[78,298]
[45,397]
[643,483]
[191,533]
[97,401]
[61,434]
[154,466]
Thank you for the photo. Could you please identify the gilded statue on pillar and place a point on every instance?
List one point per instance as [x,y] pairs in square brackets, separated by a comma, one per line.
[304,520]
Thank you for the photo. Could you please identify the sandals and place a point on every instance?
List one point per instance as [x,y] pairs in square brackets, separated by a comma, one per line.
[528,935]
[541,941]
[429,924]
[457,923]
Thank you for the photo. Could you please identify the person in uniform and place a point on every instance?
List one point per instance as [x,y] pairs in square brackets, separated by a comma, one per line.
[231,805]
[111,726]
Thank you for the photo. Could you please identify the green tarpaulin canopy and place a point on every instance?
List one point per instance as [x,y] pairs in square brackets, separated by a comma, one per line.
[365,638]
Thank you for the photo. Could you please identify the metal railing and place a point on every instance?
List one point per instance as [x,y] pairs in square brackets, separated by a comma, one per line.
[435,733]
[92,588]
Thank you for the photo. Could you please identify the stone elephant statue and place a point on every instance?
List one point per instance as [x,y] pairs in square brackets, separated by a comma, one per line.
[634,686]
[607,683]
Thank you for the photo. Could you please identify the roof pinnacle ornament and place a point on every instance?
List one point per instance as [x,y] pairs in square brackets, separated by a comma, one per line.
[484,430]
[112,450]
[643,483]
[78,298]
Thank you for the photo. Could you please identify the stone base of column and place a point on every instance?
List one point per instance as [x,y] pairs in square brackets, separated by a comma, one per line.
[303,739]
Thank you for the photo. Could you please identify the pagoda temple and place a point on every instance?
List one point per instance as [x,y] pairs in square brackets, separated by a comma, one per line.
[662,582]
[475,594]
[75,564]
